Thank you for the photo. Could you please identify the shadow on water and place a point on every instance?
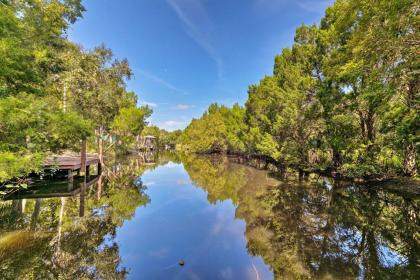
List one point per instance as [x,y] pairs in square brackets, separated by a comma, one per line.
[301,229]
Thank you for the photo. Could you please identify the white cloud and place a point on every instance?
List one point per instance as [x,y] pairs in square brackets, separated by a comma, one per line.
[183,106]
[226,273]
[172,125]
[159,253]
[145,103]
[198,26]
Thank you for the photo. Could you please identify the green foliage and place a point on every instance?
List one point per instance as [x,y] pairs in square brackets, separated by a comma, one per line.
[220,129]
[96,86]
[14,165]
[344,97]
[170,137]
[130,121]
[31,36]
[66,130]
[53,94]
[217,176]
[31,123]
[31,127]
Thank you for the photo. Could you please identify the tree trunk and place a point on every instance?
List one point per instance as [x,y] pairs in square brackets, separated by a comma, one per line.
[336,159]
[367,123]
[64,98]
[281,169]
[410,164]
[367,120]
[410,161]
[23,205]
[99,189]
[82,198]
[60,223]
[370,121]
[35,214]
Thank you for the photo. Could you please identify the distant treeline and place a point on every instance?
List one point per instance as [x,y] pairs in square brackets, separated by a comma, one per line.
[54,95]
[345,97]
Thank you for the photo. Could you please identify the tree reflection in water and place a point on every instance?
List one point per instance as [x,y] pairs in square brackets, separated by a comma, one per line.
[317,228]
[71,237]
[312,228]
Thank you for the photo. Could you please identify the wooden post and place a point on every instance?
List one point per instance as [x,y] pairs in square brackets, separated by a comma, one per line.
[87,170]
[70,179]
[99,168]
[70,175]
[100,145]
[82,199]
[83,156]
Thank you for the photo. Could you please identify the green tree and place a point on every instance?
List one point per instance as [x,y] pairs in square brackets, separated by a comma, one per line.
[30,127]
[130,122]
[344,97]
[220,130]
[31,36]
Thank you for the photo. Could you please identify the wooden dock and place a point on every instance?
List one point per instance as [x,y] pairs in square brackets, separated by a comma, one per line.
[60,189]
[71,163]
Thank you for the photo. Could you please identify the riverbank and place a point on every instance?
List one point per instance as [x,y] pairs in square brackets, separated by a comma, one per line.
[211,209]
[267,163]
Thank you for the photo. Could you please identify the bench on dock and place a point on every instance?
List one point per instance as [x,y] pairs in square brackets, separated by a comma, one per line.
[71,163]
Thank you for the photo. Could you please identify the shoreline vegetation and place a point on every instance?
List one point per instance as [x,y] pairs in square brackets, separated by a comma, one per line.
[343,100]
[56,96]
[280,169]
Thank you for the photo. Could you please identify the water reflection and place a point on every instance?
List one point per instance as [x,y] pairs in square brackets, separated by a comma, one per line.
[317,228]
[68,231]
[301,229]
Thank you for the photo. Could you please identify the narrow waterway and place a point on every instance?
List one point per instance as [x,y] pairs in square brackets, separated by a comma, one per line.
[192,217]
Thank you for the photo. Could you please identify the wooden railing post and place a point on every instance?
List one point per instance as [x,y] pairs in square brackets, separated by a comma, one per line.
[83,156]
[100,145]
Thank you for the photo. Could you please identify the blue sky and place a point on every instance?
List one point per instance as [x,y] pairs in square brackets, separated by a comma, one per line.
[186,54]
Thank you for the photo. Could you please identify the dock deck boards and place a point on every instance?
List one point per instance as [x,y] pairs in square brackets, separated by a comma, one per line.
[68,162]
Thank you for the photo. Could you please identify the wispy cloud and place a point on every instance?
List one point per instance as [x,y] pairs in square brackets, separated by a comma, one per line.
[145,103]
[309,6]
[198,26]
[183,106]
[161,81]
[172,125]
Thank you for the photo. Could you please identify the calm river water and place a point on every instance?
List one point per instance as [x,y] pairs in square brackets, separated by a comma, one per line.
[191,217]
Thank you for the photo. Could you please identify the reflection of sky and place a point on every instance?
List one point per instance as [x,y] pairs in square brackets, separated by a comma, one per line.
[350,241]
[108,241]
[389,257]
[179,223]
